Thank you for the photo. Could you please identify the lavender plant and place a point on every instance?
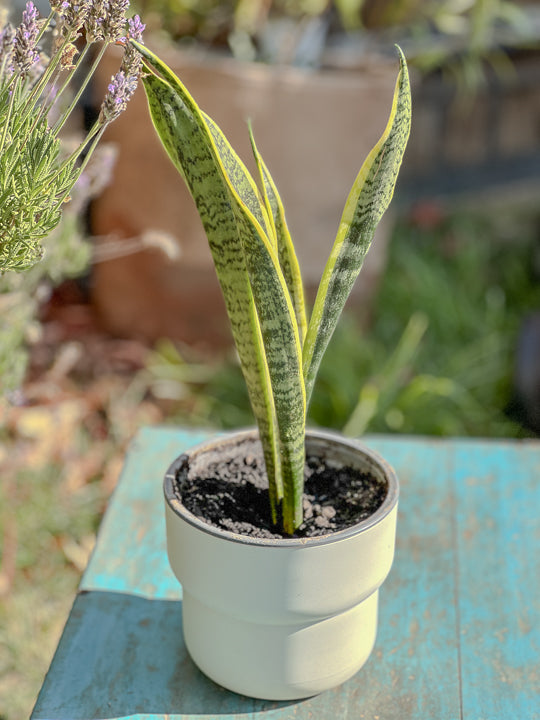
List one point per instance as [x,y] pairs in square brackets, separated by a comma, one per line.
[37,173]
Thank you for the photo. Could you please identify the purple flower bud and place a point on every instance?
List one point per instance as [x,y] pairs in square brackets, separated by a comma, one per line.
[120,90]
[30,15]
[132,61]
[25,53]
[136,28]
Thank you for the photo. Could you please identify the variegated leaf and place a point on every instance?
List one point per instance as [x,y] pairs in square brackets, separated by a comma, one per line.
[253,285]
[285,248]
[184,141]
[368,200]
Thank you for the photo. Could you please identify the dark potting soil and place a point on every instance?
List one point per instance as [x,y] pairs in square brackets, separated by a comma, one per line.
[232,494]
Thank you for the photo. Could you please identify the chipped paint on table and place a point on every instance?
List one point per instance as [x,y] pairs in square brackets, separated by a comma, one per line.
[459,630]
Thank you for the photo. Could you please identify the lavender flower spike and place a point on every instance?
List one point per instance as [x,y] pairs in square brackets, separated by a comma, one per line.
[120,90]
[132,60]
[136,28]
[114,22]
[25,54]
[94,21]
[72,16]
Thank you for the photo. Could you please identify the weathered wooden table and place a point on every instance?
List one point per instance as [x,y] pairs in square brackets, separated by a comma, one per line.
[459,633]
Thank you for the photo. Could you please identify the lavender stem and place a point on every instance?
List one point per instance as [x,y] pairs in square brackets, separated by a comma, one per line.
[60,124]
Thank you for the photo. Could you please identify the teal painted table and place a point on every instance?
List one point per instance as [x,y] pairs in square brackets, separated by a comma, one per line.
[459,633]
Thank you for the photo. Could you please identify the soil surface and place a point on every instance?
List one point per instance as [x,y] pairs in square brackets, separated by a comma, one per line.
[232,494]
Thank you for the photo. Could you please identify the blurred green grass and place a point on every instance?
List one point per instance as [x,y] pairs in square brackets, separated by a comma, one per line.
[437,358]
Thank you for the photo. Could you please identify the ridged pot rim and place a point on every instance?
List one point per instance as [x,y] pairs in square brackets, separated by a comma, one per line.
[220,439]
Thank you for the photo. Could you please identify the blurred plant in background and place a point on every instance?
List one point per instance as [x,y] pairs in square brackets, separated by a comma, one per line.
[460,37]
[473,278]
[214,22]
[463,38]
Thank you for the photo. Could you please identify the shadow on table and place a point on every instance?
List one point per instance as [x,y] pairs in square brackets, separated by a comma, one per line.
[121,655]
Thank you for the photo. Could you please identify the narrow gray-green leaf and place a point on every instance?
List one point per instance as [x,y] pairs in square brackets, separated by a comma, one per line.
[285,248]
[284,358]
[239,177]
[239,242]
[366,204]
[186,138]
[282,344]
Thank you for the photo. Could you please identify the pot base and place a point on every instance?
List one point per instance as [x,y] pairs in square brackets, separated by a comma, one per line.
[242,656]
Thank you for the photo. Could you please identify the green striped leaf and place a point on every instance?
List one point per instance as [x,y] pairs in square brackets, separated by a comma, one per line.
[282,345]
[281,340]
[368,200]
[284,357]
[256,295]
[285,248]
[239,177]
[185,143]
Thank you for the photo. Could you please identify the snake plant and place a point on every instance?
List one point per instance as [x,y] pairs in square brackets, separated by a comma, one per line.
[280,351]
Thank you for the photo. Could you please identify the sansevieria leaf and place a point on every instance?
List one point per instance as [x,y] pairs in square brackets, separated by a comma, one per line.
[239,178]
[187,147]
[284,358]
[285,248]
[368,200]
[256,294]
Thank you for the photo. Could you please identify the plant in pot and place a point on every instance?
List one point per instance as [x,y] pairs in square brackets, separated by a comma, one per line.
[279,593]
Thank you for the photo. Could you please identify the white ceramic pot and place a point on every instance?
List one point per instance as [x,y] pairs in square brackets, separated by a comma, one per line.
[282,619]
